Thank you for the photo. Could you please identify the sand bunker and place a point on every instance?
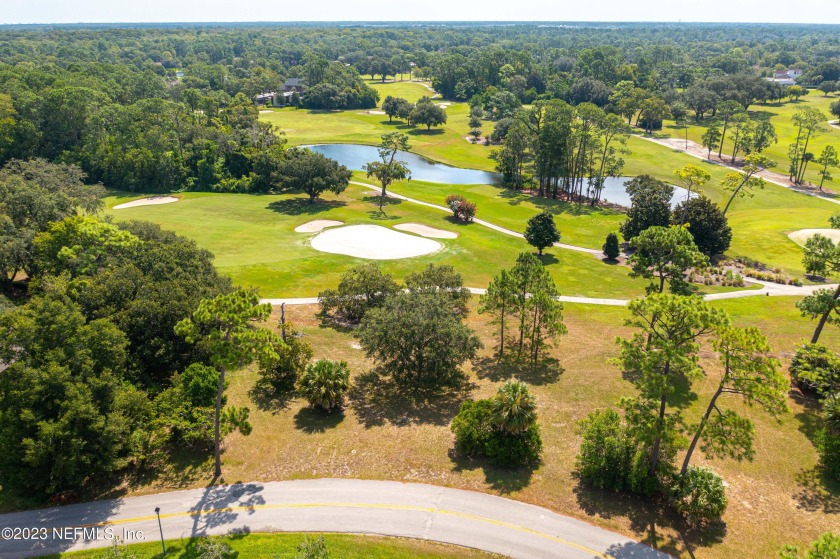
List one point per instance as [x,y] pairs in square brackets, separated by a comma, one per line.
[372,242]
[376,112]
[317,225]
[801,236]
[265,111]
[426,231]
[153,201]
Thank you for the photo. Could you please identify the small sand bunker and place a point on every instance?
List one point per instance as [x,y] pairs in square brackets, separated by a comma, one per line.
[264,111]
[426,231]
[372,242]
[153,201]
[801,236]
[317,225]
[376,112]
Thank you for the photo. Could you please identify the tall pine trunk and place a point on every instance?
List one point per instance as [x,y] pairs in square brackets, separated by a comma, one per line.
[815,338]
[702,426]
[217,420]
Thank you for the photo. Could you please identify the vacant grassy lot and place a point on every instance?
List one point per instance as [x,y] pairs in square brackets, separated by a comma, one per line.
[280,546]
[776,499]
[254,241]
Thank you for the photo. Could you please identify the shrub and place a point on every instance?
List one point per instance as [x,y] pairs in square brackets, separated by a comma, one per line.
[828,446]
[610,248]
[324,384]
[509,450]
[312,549]
[816,367]
[476,436]
[213,548]
[699,494]
[610,458]
[461,208]
[467,211]
[283,370]
[514,408]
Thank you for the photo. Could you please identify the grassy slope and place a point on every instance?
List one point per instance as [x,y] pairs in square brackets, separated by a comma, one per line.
[761,224]
[279,546]
[781,115]
[774,500]
[254,242]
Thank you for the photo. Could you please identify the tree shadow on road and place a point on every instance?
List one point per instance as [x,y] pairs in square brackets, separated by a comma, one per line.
[663,528]
[222,504]
[378,400]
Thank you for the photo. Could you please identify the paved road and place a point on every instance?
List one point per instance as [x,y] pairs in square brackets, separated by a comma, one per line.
[427,512]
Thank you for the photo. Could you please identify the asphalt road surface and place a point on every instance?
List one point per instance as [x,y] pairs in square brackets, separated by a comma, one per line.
[426,512]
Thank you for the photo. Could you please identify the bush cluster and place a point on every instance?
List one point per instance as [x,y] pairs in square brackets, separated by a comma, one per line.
[478,436]
[462,208]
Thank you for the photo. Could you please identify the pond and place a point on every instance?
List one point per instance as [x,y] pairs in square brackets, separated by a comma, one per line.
[353,156]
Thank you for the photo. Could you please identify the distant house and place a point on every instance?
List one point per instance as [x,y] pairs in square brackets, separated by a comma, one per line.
[791,74]
[264,98]
[782,81]
[179,74]
[292,85]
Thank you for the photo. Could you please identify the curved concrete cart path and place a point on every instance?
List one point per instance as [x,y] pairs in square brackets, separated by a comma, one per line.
[387,508]
[492,226]
[769,289]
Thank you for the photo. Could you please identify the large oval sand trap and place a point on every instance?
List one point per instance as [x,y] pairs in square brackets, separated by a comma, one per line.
[152,201]
[372,242]
[801,236]
[317,225]
[426,231]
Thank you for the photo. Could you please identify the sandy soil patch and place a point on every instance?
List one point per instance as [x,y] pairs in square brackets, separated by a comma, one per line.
[372,242]
[264,111]
[317,225]
[443,105]
[801,236]
[152,201]
[426,231]
[374,112]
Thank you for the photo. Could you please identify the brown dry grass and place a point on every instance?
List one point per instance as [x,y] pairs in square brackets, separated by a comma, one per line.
[776,499]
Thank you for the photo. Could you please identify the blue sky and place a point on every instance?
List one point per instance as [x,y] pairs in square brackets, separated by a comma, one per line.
[72,11]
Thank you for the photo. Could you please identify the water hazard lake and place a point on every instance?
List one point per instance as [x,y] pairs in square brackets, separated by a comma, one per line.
[353,156]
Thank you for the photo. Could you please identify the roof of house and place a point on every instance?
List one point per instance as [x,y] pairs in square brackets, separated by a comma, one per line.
[293,81]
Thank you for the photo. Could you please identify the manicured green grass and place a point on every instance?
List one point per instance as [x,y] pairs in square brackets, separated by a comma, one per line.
[580,225]
[446,144]
[760,224]
[278,546]
[781,116]
[254,242]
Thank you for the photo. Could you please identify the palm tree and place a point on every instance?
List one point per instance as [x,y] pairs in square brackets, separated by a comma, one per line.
[514,408]
[324,383]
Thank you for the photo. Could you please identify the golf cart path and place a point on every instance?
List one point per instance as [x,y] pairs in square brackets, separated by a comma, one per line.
[770,289]
[427,512]
[769,176]
[493,226]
